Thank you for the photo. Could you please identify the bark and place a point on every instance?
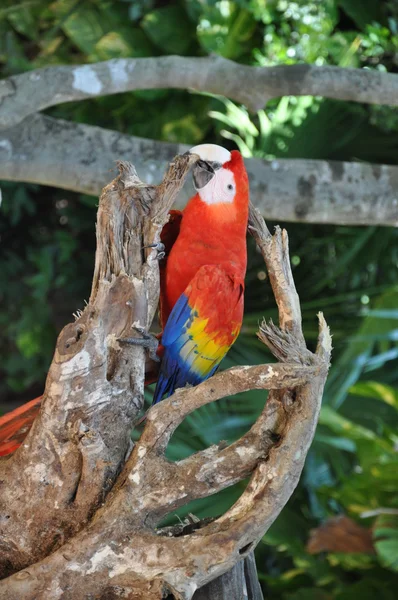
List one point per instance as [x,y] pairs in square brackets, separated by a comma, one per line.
[77,520]
[80,158]
[240,583]
[94,388]
[25,94]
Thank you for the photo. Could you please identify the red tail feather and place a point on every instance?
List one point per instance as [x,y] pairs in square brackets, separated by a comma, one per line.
[15,425]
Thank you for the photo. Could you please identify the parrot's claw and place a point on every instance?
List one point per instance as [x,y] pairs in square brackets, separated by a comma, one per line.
[148,341]
[160,249]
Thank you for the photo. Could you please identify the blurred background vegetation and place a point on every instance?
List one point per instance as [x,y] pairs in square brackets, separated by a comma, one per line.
[47,249]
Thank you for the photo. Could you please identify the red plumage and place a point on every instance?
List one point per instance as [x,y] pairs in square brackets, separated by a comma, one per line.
[206,263]
[203,281]
[208,234]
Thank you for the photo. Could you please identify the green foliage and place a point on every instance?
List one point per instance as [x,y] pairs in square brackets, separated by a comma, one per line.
[47,245]
[164,27]
[386,540]
[45,240]
[290,128]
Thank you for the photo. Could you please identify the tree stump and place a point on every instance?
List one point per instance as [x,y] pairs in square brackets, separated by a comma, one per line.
[79,508]
[240,583]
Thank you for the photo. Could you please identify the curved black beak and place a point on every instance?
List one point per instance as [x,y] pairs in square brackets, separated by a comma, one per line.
[203,172]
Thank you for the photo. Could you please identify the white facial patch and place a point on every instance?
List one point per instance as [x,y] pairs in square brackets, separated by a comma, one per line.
[221,188]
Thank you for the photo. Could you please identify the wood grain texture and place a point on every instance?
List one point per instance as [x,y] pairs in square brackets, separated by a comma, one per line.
[240,583]
[79,512]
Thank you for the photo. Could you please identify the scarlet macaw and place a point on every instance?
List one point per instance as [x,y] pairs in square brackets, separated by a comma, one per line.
[201,282]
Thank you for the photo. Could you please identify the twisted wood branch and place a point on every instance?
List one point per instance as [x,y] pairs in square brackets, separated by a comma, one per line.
[55,481]
[115,549]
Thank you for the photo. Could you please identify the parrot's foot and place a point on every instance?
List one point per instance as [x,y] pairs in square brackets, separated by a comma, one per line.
[148,341]
[160,249]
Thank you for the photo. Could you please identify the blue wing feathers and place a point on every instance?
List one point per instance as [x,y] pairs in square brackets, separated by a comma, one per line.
[179,316]
[176,369]
[192,353]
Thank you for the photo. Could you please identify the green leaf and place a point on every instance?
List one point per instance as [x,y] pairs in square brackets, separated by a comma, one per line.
[341,443]
[22,18]
[85,27]
[169,29]
[17,205]
[280,532]
[368,588]
[352,362]
[309,593]
[122,44]
[226,29]
[361,241]
[376,390]
[13,51]
[385,534]
[28,342]
[185,130]
[112,45]
[363,12]
[342,426]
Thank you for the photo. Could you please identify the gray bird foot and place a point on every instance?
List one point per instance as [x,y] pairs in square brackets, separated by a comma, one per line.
[160,250]
[148,341]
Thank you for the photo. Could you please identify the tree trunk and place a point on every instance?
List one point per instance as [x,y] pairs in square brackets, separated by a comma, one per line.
[240,583]
[79,509]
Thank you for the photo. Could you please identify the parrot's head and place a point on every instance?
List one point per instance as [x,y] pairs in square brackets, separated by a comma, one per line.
[220,176]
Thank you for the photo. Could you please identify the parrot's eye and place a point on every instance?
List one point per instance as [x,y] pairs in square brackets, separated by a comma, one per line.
[214,188]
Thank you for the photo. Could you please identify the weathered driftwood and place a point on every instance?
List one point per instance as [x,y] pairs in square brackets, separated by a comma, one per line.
[53,484]
[240,583]
[77,521]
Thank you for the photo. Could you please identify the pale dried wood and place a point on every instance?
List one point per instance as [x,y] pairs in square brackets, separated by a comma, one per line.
[76,448]
[240,583]
[119,551]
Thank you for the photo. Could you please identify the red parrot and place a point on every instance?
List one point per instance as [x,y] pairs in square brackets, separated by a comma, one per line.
[201,282]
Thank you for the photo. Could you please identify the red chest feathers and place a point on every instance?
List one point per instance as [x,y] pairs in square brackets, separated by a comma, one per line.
[204,243]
